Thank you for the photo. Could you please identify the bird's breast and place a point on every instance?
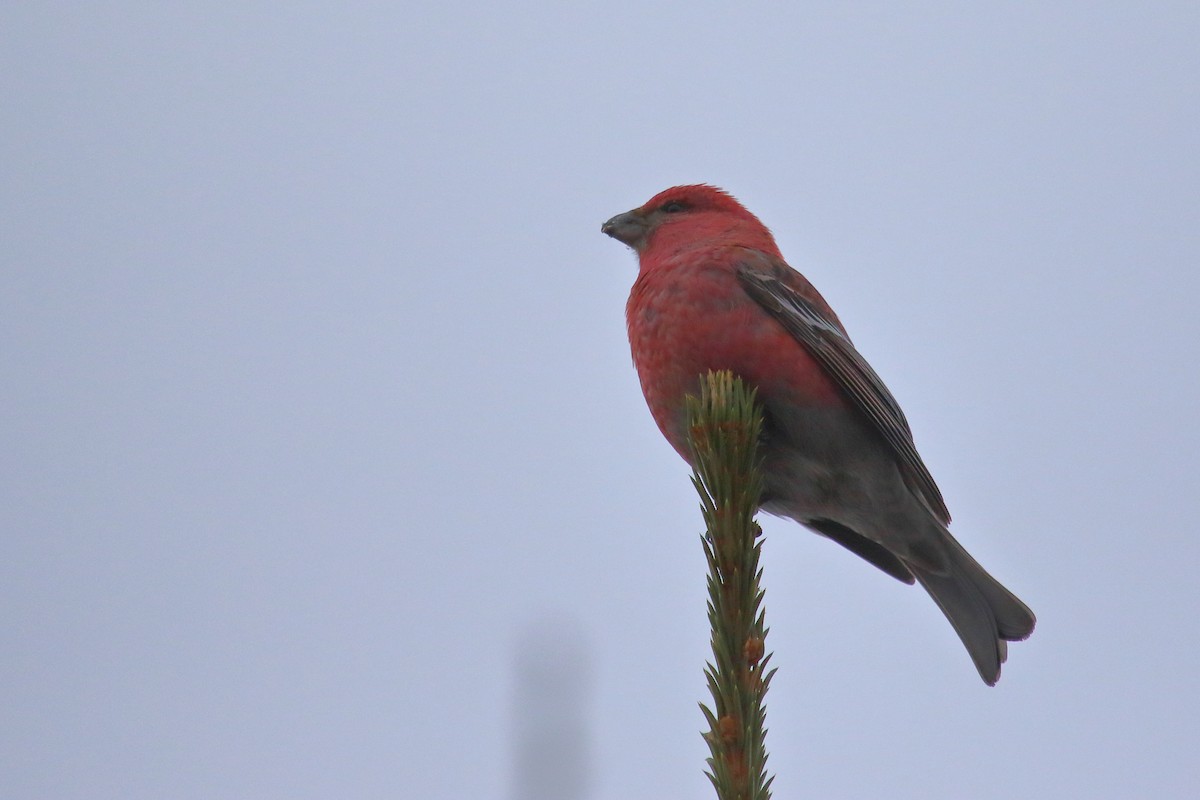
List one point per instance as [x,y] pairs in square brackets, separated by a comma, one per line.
[685,321]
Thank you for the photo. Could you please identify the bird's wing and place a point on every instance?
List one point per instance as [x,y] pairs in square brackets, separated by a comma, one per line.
[788,297]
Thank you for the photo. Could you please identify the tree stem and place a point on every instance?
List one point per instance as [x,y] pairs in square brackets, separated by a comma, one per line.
[724,427]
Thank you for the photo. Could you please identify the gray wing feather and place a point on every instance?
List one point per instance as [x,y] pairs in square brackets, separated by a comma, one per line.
[833,351]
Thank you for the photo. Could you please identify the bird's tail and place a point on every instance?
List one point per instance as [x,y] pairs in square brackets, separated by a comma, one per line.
[984,614]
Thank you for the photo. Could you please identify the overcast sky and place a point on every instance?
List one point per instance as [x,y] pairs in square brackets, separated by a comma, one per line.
[325,472]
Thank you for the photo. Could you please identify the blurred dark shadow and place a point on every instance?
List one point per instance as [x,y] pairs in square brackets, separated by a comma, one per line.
[551,713]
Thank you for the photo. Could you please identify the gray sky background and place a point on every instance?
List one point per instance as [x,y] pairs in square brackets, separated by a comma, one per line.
[326,473]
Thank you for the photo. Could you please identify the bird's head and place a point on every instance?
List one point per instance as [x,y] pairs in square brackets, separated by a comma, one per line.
[685,216]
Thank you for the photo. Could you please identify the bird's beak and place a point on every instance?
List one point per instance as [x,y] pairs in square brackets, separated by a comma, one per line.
[630,228]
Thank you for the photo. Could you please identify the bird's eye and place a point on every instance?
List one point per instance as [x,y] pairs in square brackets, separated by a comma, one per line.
[674,207]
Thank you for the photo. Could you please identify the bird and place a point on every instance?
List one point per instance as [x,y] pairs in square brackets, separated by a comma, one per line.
[713,292]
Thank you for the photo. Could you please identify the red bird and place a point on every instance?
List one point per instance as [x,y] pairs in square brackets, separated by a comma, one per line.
[714,293]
